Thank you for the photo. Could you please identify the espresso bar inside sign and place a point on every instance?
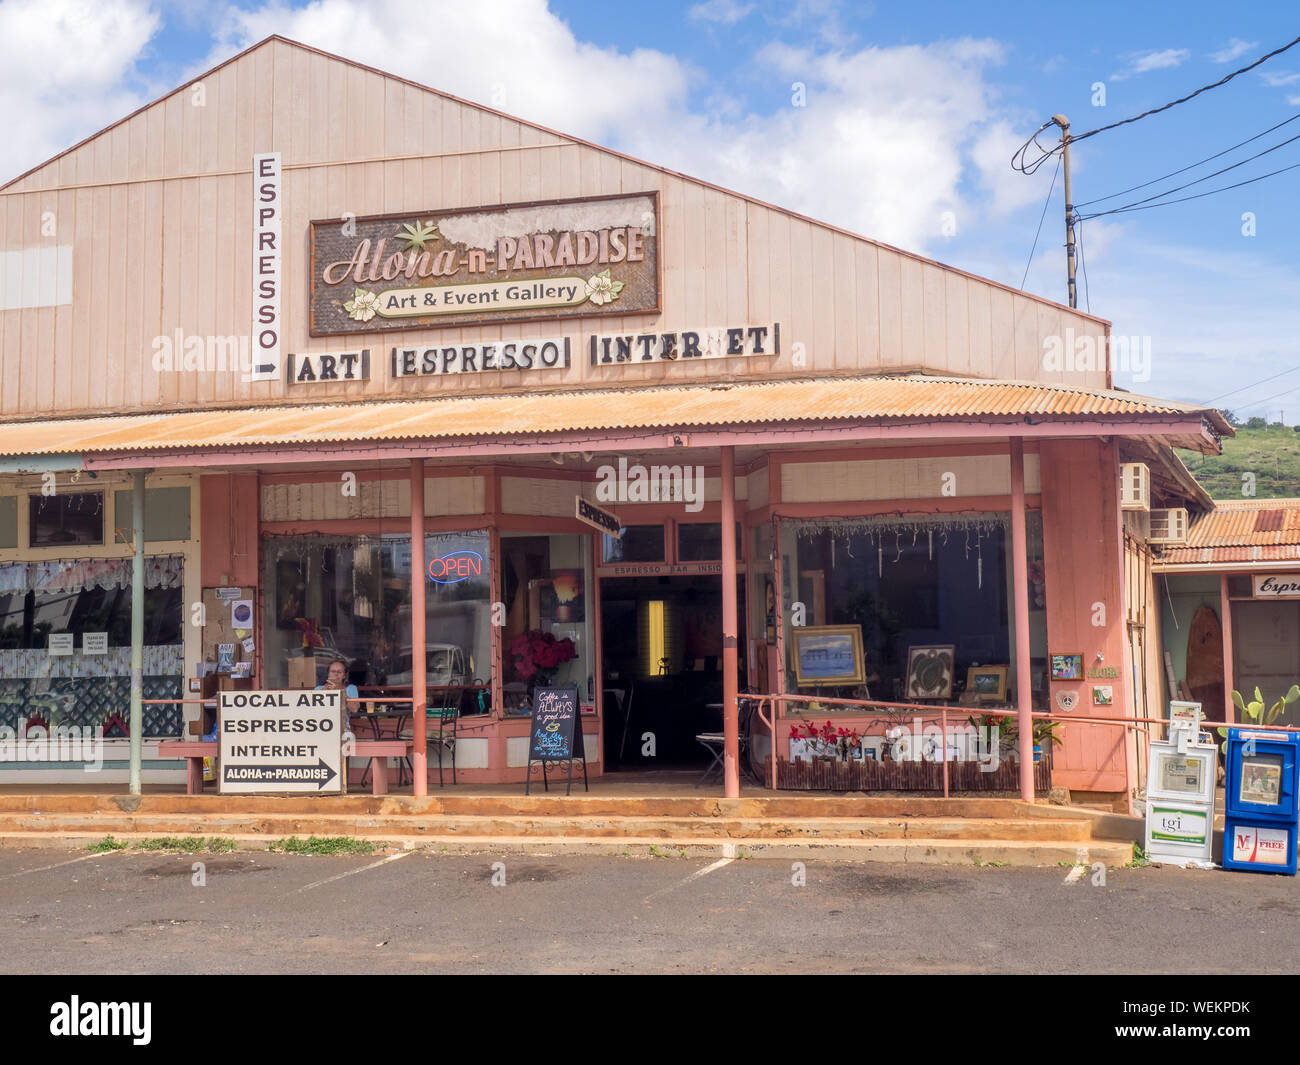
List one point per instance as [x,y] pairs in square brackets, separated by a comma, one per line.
[513,263]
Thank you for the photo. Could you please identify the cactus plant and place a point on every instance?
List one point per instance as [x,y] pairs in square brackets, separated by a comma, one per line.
[1253,712]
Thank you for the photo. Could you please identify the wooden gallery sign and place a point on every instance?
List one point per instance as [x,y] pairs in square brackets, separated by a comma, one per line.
[523,262]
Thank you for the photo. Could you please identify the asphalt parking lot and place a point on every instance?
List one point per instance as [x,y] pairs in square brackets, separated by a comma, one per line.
[417,911]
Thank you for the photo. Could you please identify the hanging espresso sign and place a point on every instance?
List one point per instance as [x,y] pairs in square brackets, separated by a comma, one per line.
[524,262]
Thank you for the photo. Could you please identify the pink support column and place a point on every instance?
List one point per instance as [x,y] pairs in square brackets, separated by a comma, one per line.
[1020,588]
[730,718]
[1225,619]
[419,662]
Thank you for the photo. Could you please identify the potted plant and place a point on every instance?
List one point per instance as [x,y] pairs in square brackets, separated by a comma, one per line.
[1008,726]
[536,655]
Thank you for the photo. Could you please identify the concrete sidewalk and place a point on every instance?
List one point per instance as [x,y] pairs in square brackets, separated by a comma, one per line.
[624,814]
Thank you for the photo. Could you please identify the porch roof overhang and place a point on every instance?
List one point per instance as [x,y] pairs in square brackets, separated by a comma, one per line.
[842,409]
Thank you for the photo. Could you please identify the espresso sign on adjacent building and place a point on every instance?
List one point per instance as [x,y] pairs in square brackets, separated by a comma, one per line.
[1278,586]
[523,262]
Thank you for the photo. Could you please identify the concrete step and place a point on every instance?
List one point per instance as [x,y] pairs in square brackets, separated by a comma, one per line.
[429,827]
[992,852]
[585,805]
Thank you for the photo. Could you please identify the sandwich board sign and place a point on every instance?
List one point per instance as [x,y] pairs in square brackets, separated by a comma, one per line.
[555,730]
[281,742]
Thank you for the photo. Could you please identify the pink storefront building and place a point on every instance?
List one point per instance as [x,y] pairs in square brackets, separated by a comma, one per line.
[384,360]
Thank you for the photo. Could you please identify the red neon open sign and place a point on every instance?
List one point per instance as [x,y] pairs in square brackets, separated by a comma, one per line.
[455,567]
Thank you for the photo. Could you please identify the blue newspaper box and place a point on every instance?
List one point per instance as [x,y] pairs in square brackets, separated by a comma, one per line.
[1260,807]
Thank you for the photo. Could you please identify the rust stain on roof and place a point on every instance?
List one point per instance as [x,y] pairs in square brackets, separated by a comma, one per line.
[1246,523]
[537,413]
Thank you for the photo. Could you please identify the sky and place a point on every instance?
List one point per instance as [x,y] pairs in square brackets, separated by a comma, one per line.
[896,121]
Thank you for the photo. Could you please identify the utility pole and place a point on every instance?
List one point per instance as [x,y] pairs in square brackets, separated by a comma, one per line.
[1064,123]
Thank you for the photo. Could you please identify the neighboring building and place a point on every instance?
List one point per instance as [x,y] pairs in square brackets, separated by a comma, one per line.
[888,420]
[1230,604]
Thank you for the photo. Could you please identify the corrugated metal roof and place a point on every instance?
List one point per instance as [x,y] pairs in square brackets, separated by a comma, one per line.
[746,403]
[1210,555]
[1244,523]
[1241,530]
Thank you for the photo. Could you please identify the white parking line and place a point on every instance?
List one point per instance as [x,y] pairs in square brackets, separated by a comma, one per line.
[353,872]
[694,876]
[42,868]
[1080,866]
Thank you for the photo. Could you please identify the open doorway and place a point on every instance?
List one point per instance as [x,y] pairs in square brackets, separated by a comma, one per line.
[662,659]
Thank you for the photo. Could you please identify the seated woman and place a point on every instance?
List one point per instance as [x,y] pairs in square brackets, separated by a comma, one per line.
[336,680]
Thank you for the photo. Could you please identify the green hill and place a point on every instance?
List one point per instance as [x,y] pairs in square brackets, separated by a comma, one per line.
[1271,453]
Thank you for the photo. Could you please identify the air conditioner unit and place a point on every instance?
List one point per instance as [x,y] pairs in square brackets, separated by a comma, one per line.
[1135,486]
[1168,526]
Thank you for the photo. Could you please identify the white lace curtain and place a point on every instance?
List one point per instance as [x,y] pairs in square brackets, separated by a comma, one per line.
[76,575]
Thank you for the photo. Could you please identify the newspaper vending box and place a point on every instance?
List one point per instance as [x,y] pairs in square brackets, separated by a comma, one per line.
[1180,795]
[1260,805]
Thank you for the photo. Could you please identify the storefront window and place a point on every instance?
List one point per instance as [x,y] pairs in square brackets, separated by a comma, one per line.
[918,589]
[702,541]
[66,518]
[8,521]
[91,685]
[547,592]
[639,543]
[166,513]
[350,597]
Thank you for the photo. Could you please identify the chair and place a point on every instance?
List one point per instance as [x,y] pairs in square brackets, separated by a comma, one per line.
[716,743]
[442,717]
[443,713]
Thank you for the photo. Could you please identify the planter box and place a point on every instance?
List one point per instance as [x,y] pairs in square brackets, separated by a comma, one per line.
[889,775]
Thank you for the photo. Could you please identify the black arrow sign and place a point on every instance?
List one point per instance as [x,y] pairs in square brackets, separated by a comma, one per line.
[320,774]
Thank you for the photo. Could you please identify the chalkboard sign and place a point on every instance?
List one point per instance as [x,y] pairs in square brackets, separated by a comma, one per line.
[553,732]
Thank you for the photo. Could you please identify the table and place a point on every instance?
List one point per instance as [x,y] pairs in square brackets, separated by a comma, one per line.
[375,719]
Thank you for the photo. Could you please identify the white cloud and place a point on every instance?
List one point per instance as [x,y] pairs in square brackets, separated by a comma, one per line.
[881,148]
[516,56]
[65,66]
[1276,78]
[1234,49]
[1144,62]
[727,12]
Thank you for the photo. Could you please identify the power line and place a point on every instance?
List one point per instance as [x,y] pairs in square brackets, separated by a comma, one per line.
[1018,160]
[1040,223]
[1224,170]
[1142,205]
[1182,100]
[1191,166]
[1244,388]
[1083,269]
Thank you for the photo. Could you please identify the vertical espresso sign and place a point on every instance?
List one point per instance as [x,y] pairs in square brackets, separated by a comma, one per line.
[267,213]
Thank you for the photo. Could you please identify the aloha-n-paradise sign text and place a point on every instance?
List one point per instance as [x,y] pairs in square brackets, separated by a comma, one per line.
[519,262]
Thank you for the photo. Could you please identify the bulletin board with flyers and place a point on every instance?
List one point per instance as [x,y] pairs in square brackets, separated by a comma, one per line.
[229,631]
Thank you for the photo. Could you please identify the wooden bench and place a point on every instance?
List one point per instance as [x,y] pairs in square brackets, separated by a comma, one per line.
[378,751]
